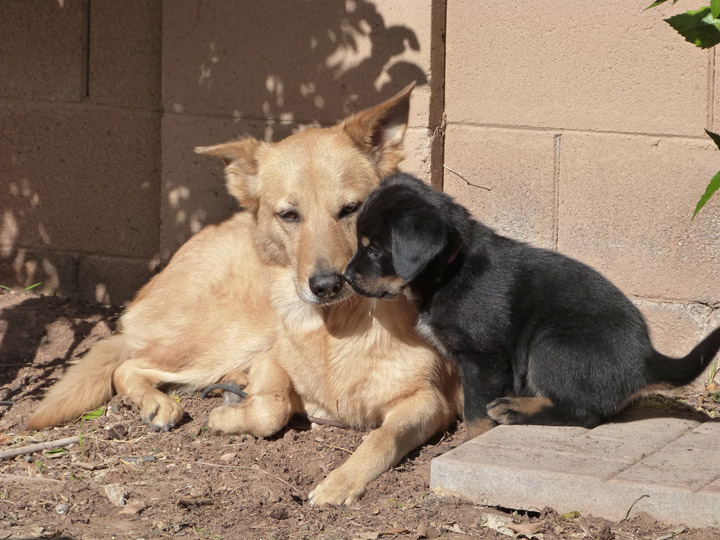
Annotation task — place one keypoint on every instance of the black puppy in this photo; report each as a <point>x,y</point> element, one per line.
<point>549,330</point>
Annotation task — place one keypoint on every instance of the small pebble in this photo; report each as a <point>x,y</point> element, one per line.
<point>116,432</point>
<point>61,508</point>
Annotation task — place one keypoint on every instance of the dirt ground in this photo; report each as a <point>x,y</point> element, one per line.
<point>122,480</point>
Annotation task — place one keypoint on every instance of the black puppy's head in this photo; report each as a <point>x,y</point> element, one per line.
<point>401,228</point>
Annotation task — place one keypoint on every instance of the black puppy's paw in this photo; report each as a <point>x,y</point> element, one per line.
<point>501,410</point>
<point>521,410</point>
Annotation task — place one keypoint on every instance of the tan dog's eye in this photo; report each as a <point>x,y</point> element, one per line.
<point>291,216</point>
<point>348,209</point>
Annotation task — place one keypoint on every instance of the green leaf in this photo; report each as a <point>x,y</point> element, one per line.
<point>92,415</point>
<point>715,8</point>
<point>33,286</point>
<point>713,186</point>
<point>55,451</point>
<point>658,2</point>
<point>714,136</point>
<point>698,27</point>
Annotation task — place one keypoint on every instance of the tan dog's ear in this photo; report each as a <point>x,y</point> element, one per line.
<point>380,130</point>
<point>241,168</point>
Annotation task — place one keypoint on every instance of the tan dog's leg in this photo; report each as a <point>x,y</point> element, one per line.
<point>238,378</point>
<point>270,403</point>
<point>134,379</point>
<point>409,424</point>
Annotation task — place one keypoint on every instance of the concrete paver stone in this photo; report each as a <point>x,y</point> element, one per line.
<point>668,466</point>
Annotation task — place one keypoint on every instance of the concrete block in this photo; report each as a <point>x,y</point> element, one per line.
<point>625,208</point>
<point>43,49</point>
<point>651,426</point>
<point>418,153</point>
<point>112,280</point>
<point>125,55</point>
<point>542,458</point>
<point>57,272</point>
<point>80,178</point>
<point>223,59</point>
<point>530,467</point>
<point>687,463</point>
<point>622,69</point>
<point>518,166</point>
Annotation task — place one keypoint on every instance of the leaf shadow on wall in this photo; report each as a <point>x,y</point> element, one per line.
<point>265,70</point>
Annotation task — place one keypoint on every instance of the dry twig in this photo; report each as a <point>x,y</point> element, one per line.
<point>39,447</point>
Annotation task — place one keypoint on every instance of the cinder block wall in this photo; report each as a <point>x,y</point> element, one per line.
<point>79,145</point>
<point>588,130</point>
<point>587,125</point>
<point>267,69</point>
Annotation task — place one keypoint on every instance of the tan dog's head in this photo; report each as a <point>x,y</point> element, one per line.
<point>306,189</point>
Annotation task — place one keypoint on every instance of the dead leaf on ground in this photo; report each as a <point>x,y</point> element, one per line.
<point>452,527</point>
<point>393,532</point>
<point>426,532</point>
<point>672,533</point>
<point>116,494</point>
<point>496,523</point>
<point>192,502</point>
<point>526,529</point>
<point>132,508</point>
<point>446,493</point>
<point>368,536</point>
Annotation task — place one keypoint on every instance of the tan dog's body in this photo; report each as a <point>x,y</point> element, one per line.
<point>247,301</point>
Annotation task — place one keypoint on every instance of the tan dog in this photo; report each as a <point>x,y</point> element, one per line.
<point>260,300</point>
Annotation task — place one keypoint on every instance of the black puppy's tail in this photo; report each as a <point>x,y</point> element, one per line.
<point>680,371</point>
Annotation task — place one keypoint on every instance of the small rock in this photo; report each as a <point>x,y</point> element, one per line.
<point>228,457</point>
<point>279,512</point>
<point>272,497</point>
<point>116,432</point>
<point>61,508</point>
<point>116,494</point>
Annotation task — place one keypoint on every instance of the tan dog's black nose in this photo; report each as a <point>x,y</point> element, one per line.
<point>326,286</point>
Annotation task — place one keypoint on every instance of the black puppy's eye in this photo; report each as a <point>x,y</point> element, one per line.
<point>348,209</point>
<point>373,253</point>
<point>291,216</point>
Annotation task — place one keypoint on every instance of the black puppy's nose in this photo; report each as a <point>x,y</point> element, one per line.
<point>326,286</point>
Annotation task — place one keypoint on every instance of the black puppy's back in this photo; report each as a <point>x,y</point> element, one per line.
<point>571,347</point>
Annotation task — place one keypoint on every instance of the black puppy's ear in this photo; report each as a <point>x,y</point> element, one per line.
<point>416,242</point>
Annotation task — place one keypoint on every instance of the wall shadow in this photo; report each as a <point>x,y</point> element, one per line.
<point>266,70</point>
<point>43,333</point>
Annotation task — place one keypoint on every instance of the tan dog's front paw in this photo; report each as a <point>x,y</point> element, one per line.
<point>338,489</point>
<point>161,412</point>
